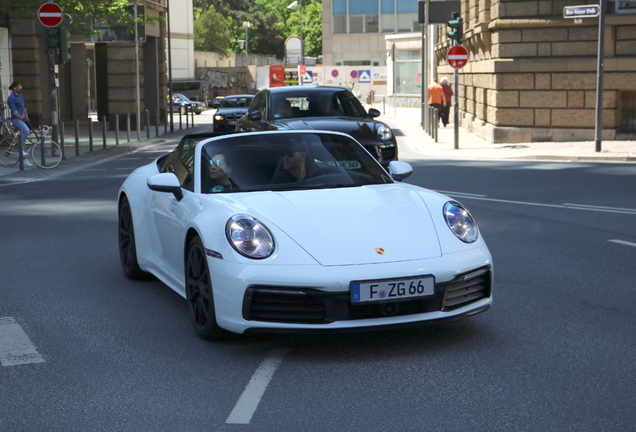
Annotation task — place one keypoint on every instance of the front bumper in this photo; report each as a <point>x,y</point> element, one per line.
<point>301,298</point>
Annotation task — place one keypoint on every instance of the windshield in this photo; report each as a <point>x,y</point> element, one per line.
<point>179,97</point>
<point>236,102</point>
<point>316,103</point>
<point>287,161</point>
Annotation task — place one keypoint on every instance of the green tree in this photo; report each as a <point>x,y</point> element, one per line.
<point>78,14</point>
<point>271,24</point>
<point>211,32</point>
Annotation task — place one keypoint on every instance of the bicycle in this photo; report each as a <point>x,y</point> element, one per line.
<point>45,155</point>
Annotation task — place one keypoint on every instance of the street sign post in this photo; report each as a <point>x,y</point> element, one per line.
<point>583,11</point>
<point>50,15</point>
<point>457,58</point>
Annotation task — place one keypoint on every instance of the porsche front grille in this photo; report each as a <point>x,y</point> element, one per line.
<point>313,306</point>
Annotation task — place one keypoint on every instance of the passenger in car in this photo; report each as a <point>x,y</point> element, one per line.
<point>220,169</point>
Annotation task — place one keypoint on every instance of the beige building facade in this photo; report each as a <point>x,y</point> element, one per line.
<point>532,74</point>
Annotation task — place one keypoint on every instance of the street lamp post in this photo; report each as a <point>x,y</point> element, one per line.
<point>247,25</point>
<point>298,4</point>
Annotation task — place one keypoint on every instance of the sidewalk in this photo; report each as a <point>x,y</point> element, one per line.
<point>79,153</point>
<point>472,147</point>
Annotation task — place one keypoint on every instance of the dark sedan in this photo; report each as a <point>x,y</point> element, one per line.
<point>181,103</point>
<point>230,110</point>
<point>320,108</point>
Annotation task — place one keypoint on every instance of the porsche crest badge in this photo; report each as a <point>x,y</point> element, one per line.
<point>380,251</point>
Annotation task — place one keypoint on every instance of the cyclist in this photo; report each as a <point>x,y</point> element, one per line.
<point>19,115</point>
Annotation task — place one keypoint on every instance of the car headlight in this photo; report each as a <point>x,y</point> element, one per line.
<point>249,237</point>
<point>461,222</point>
<point>384,132</point>
<point>218,117</point>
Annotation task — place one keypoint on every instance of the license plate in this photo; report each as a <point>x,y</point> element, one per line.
<point>231,122</point>
<point>392,289</point>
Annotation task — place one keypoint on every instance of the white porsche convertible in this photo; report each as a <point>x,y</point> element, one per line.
<point>299,231</point>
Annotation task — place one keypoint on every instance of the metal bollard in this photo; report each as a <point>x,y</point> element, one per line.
<point>128,127</point>
<point>180,124</point>
<point>61,126</point>
<point>90,134</point>
<point>187,116</point>
<point>147,124</point>
<point>436,123</point>
<point>116,129</point>
<point>157,124</point>
<point>77,148</point>
<point>165,124</point>
<point>104,131</point>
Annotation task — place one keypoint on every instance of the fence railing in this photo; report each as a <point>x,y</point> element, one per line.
<point>85,133</point>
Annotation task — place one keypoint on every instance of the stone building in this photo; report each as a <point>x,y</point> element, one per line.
<point>532,74</point>
<point>101,74</point>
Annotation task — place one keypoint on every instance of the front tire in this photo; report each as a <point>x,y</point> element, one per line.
<point>127,247</point>
<point>52,155</point>
<point>199,293</point>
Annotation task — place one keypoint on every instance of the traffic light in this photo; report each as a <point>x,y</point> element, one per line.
<point>456,35</point>
<point>53,38</point>
<point>63,55</point>
<point>57,39</point>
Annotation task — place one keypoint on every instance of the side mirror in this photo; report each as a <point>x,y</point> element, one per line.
<point>400,170</point>
<point>255,116</point>
<point>165,182</point>
<point>374,113</point>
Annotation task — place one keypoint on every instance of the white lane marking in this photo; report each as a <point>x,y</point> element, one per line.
<point>561,206</point>
<point>253,393</point>
<point>601,207</point>
<point>461,193</point>
<point>15,346</point>
<point>623,242</point>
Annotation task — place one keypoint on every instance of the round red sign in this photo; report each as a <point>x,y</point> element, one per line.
<point>457,57</point>
<point>50,15</point>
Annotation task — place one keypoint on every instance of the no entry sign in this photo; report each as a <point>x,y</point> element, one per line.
<point>457,57</point>
<point>50,15</point>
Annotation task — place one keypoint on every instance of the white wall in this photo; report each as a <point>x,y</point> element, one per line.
<point>182,40</point>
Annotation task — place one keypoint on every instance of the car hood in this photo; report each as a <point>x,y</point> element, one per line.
<point>349,226</point>
<point>358,127</point>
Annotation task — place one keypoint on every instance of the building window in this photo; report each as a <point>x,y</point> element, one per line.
<point>356,24</point>
<point>339,24</point>
<point>371,23</point>
<point>357,62</point>
<point>339,16</point>
<point>373,16</point>
<point>628,111</point>
<point>408,77</point>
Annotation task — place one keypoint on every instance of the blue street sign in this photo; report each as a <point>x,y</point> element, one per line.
<point>583,11</point>
<point>364,76</point>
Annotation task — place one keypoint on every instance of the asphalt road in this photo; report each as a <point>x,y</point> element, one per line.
<point>95,351</point>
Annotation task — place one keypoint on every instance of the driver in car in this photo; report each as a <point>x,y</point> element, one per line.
<point>294,165</point>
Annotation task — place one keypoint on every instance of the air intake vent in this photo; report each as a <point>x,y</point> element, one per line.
<point>467,288</point>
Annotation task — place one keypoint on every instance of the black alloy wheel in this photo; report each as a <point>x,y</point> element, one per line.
<point>127,248</point>
<point>199,293</point>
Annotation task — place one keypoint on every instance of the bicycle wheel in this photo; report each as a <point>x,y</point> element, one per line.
<point>50,158</point>
<point>9,155</point>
